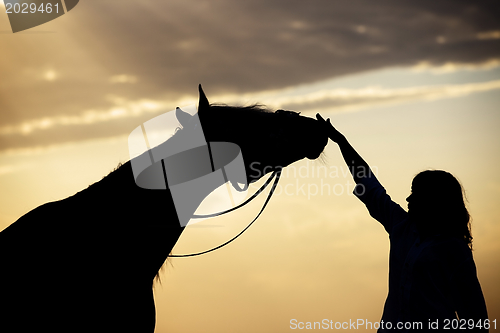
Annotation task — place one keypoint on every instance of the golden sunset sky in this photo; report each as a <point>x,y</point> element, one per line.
<point>412,84</point>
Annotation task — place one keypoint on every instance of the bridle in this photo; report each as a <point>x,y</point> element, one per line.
<point>275,175</point>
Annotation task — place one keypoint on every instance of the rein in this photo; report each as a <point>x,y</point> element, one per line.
<point>276,175</point>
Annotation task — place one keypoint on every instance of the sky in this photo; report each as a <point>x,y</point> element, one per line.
<point>412,85</point>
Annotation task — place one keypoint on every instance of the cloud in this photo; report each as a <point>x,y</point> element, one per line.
<point>451,67</point>
<point>123,109</point>
<point>236,46</point>
<point>11,168</point>
<point>123,78</point>
<point>340,99</point>
<point>125,112</point>
<point>263,45</point>
<point>231,47</point>
<point>50,75</point>
<point>495,34</point>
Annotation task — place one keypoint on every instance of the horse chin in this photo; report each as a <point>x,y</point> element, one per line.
<point>314,155</point>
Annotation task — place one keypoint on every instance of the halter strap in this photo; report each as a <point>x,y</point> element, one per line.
<point>244,203</point>
<point>276,174</point>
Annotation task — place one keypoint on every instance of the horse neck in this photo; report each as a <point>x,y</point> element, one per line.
<point>120,201</point>
<point>132,222</point>
<point>119,208</point>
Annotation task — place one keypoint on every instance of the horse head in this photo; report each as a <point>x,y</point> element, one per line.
<point>268,140</point>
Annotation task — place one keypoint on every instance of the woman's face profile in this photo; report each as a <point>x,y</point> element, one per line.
<point>423,203</point>
<point>417,200</point>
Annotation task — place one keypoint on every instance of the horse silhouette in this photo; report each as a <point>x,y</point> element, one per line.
<point>87,263</point>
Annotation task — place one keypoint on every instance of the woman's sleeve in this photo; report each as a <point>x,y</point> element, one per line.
<point>379,203</point>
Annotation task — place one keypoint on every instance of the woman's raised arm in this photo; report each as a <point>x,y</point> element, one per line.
<point>357,165</point>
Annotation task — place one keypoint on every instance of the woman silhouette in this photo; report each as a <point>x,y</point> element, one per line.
<point>432,275</point>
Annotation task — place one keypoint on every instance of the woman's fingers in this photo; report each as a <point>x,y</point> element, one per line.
<point>331,130</point>
<point>322,120</point>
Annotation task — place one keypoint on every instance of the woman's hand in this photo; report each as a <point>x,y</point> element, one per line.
<point>332,133</point>
<point>357,166</point>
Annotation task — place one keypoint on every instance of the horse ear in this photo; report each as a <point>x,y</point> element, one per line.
<point>182,117</point>
<point>203,102</point>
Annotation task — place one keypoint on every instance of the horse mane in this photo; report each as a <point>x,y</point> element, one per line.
<point>237,114</point>
<point>243,111</point>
